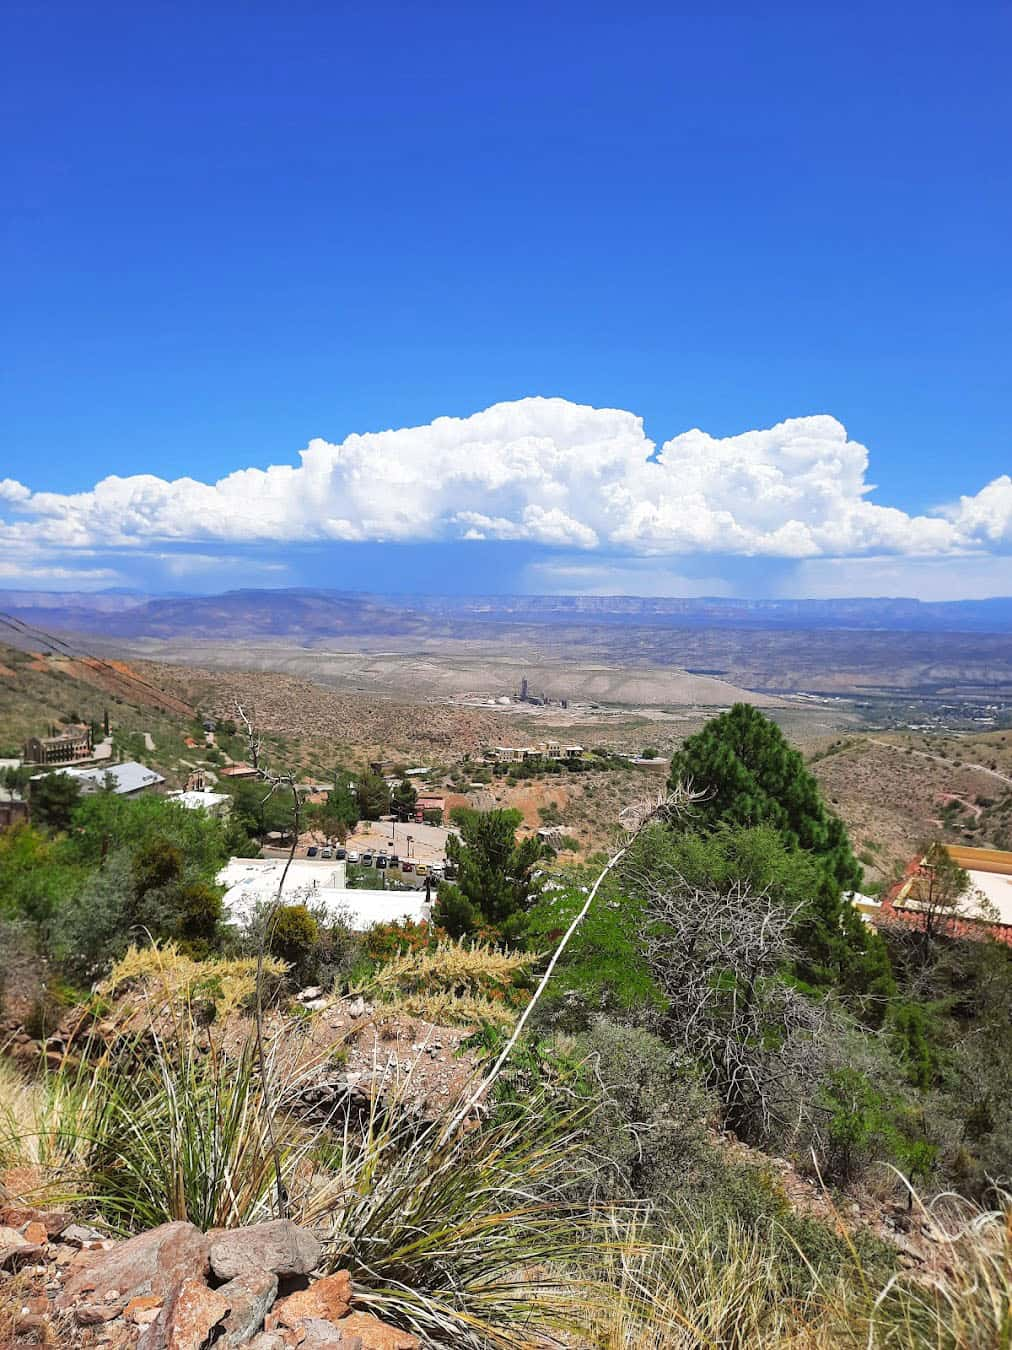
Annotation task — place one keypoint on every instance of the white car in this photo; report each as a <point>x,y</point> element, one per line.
<point>353,857</point>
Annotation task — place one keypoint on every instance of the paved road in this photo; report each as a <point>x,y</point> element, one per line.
<point>940,759</point>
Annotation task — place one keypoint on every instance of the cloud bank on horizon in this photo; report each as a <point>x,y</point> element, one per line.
<point>556,474</point>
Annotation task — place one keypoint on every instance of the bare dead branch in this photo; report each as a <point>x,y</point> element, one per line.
<point>634,819</point>
<point>275,782</point>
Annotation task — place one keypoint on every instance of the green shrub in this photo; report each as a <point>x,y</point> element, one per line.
<point>651,1128</point>
<point>292,936</point>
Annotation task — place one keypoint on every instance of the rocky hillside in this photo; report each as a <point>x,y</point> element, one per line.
<point>177,1288</point>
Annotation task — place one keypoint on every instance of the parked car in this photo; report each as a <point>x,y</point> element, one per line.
<point>353,857</point>
<point>312,851</point>
<point>421,869</point>
<point>407,865</point>
<point>367,860</point>
<point>381,861</point>
<point>326,852</point>
<point>394,860</point>
<point>340,854</point>
<point>436,872</point>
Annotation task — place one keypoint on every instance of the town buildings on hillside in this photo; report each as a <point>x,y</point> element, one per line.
<point>128,779</point>
<point>517,754</point>
<point>67,747</point>
<point>13,808</point>
<point>983,911</point>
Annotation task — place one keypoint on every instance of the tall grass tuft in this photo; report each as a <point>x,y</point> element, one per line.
<point>468,1238</point>
<point>727,1287</point>
<point>183,1135</point>
<point>19,1114</point>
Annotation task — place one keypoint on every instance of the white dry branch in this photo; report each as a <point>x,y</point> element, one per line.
<point>274,782</point>
<point>634,819</point>
<point>718,956</point>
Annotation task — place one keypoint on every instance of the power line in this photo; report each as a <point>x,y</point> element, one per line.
<point>78,653</point>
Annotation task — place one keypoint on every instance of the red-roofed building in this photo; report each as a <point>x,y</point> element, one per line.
<point>983,912</point>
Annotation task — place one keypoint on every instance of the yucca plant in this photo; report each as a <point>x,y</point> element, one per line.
<point>469,1238</point>
<point>183,1135</point>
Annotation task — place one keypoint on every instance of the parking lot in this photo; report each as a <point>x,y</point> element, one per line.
<point>419,843</point>
<point>410,844</point>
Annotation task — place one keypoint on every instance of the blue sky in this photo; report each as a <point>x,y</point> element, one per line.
<point>233,230</point>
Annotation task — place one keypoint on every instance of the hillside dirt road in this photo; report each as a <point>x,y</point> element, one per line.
<point>941,759</point>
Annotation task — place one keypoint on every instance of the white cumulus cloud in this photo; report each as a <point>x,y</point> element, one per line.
<point>544,470</point>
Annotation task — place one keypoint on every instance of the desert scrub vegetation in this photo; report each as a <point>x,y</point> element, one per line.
<point>163,976</point>
<point>461,982</point>
<point>496,1236</point>
<point>718,979</point>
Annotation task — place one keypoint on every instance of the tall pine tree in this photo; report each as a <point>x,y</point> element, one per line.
<point>752,778</point>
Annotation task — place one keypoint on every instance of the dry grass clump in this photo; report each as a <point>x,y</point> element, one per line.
<point>699,1286</point>
<point>168,976</point>
<point>694,1287</point>
<point>20,1103</point>
<point>456,966</point>
<point>457,983</point>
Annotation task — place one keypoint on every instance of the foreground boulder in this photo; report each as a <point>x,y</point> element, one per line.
<point>279,1247</point>
<point>153,1263</point>
<point>176,1288</point>
<point>250,1298</point>
<point>327,1299</point>
<point>188,1318</point>
<point>376,1335</point>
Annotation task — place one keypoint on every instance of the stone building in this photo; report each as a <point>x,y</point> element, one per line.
<point>72,744</point>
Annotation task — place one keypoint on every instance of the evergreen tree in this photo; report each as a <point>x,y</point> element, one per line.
<point>53,799</point>
<point>403,801</point>
<point>341,800</point>
<point>495,879</point>
<point>753,777</point>
<point>373,796</point>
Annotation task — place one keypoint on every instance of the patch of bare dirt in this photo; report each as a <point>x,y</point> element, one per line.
<point>291,706</point>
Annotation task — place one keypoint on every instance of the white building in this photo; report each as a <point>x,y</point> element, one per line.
<point>128,779</point>
<point>252,883</point>
<point>214,803</point>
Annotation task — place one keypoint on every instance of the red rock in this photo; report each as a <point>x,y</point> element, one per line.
<point>17,1216</point>
<point>279,1247</point>
<point>35,1232</point>
<point>187,1319</point>
<point>16,1250</point>
<point>328,1299</point>
<point>376,1335</point>
<point>138,1308</point>
<point>155,1262</point>
<point>322,1335</point>
<point>91,1314</point>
